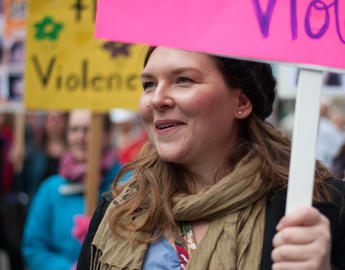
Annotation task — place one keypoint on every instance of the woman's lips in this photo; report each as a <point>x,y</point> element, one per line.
<point>163,126</point>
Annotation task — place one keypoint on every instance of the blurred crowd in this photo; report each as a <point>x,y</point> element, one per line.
<point>330,147</point>
<point>43,179</point>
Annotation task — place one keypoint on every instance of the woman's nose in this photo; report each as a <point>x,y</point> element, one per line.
<point>162,98</point>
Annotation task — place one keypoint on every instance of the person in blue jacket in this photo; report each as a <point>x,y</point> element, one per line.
<point>48,242</point>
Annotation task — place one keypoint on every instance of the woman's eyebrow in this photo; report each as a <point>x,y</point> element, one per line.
<point>185,69</point>
<point>148,75</point>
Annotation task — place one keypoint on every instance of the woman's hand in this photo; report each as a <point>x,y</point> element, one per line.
<point>303,241</point>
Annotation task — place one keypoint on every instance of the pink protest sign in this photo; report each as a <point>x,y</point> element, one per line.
<point>307,32</point>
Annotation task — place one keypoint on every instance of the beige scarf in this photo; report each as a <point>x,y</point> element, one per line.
<point>235,208</point>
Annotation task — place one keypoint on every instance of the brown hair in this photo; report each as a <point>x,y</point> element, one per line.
<point>158,180</point>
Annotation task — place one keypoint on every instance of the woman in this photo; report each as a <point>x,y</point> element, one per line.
<point>208,191</point>
<point>42,157</point>
<point>48,242</point>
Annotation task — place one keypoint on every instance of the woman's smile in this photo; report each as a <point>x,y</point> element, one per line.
<point>168,125</point>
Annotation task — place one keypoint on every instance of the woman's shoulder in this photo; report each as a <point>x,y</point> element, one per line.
<point>98,215</point>
<point>333,207</point>
<point>52,183</point>
<point>337,220</point>
<point>336,189</point>
<point>107,198</point>
<point>336,183</point>
<point>85,254</point>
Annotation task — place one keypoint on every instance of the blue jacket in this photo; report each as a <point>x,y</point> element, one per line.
<point>47,241</point>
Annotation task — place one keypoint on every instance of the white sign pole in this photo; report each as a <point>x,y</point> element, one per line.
<point>302,163</point>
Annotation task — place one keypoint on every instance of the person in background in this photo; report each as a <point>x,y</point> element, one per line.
<point>208,191</point>
<point>44,147</point>
<point>48,242</point>
<point>6,142</point>
<point>330,137</point>
<point>129,135</point>
<point>12,209</point>
<point>336,116</point>
<point>54,141</point>
<point>338,166</point>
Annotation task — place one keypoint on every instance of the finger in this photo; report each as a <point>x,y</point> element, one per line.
<point>291,253</point>
<point>293,265</point>
<point>294,235</point>
<point>303,216</point>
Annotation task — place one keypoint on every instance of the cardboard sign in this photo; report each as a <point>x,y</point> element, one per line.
<point>307,32</point>
<point>66,67</point>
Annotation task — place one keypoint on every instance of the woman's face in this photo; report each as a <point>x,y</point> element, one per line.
<point>55,124</point>
<point>187,108</point>
<point>77,134</point>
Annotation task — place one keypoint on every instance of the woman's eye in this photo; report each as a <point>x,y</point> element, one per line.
<point>147,85</point>
<point>184,80</point>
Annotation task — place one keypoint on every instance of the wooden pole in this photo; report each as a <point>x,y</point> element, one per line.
<point>302,164</point>
<point>94,161</point>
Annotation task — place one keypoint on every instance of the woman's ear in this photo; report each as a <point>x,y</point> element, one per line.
<point>244,106</point>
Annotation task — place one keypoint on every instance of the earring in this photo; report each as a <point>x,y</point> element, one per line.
<point>240,112</point>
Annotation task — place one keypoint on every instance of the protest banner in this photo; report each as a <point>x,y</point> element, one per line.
<point>66,67</point>
<point>307,33</point>
<point>304,32</point>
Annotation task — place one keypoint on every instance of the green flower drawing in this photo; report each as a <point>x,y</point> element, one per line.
<point>48,29</point>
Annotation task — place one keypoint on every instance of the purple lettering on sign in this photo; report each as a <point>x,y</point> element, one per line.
<point>336,12</point>
<point>319,5</point>
<point>264,18</point>
<point>293,13</point>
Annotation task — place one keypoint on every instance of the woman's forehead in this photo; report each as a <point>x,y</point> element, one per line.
<point>79,116</point>
<point>163,57</point>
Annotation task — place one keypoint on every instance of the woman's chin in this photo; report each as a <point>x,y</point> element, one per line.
<point>80,157</point>
<point>172,157</point>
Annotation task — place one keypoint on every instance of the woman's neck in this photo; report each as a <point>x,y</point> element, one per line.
<point>55,147</point>
<point>205,178</point>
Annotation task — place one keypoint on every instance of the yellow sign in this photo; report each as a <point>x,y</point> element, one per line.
<point>66,67</point>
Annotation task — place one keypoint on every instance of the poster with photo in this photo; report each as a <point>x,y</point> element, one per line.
<point>1,50</point>
<point>17,52</point>
<point>15,12</point>
<point>3,87</point>
<point>12,42</point>
<point>16,87</point>
<point>1,17</point>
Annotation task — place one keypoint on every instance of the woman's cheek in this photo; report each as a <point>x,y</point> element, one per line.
<point>203,103</point>
<point>143,109</point>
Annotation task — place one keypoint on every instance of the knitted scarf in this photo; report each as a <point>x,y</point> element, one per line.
<point>235,207</point>
<point>75,171</point>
